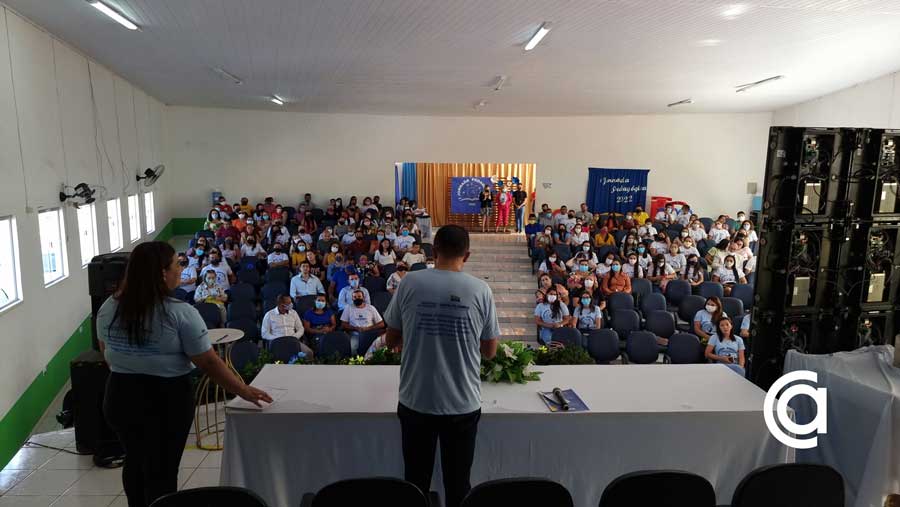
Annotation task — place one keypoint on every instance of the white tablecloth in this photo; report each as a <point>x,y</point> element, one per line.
<point>863,439</point>
<point>338,422</point>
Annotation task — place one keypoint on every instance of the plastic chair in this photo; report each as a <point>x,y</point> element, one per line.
<point>241,292</point>
<point>278,275</point>
<point>249,276</point>
<point>744,292</point>
<point>366,339</point>
<point>243,353</point>
<point>241,310</point>
<point>662,487</point>
<point>522,491</point>
<point>707,223</point>
<point>419,266</point>
<point>568,336</point>
<point>381,300</point>
<point>684,348</point>
<point>304,303</point>
<point>676,290</point>
<point>388,270</point>
<point>624,322</point>
<point>606,250</point>
<point>375,284</point>
<point>216,495</point>
<point>652,302</point>
<point>675,227</point>
<point>335,343</point>
<point>210,314</point>
<point>603,345</point>
<point>619,301</point>
<point>564,252</point>
<point>369,491</point>
<point>619,235</point>
<point>284,348</point>
<point>661,323</point>
<point>180,294</point>
<point>271,290</point>
<point>204,234</point>
<point>711,289</point>
<point>791,485</point>
<point>427,249</point>
<point>734,308</point>
<point>268,304</point>
<point>640,287</point>
<point>641,348</point>
<point>248,326</point>
<point>688,308</point>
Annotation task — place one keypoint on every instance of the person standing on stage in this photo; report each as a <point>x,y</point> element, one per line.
<point>150,341</point>
<point>445,321</point>
<point>504,205</point>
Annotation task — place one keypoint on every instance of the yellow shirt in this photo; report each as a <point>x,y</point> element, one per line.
<point>599,241</point>
<point>246,208</point>
<point>297,258</point>
<point>641,217</point>
<point>329,258</point>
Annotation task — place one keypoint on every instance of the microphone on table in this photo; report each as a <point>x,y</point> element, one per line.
<point>557,392</point>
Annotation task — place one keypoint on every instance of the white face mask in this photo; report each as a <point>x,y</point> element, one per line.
<point>729,264</point>
<point>429,265</point>
<point>661,264</point>
<point>586,248</point>
<point>334,249</point>
<point>588,283</point>
<point>632,261</point>
<point>608,262</point>
<point>746,227</point>
<point>711,308</point>
<point>552,259</point>
<point>551,299</point>
<point>740,217</point>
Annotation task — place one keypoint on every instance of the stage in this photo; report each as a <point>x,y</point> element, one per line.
<point>337,422</point>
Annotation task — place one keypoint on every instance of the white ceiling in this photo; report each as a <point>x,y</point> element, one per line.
<point>442,56</point>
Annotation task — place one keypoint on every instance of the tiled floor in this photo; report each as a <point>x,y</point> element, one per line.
<point>38,477</point>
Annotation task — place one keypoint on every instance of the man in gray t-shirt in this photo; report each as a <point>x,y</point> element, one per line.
<point>445,321</point>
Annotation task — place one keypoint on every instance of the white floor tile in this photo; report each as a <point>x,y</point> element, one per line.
<point>99,481</point>
<point>120,501</point>
<point>9,478</point>
<point>27,501</point>
<point>213,460</point>
<point>67,461</point>
<point>84,501</point>
<point>46,482</point>
<point>202,478</point>
<point>61,438</point>
<point>183,475</point>
<point>192,458</point>
<point>30,458</point>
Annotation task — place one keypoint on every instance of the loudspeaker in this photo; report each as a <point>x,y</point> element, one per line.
<point>105,273</point>
<point>92,435</point>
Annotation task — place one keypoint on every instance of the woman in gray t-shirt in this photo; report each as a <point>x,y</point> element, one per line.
<point>152,342</point>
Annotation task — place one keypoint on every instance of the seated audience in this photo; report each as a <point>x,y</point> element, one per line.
<point>660,245</point>
<point>316,268</point>
<point>718,232</point>
<point>545,283</point>
<point>230,251</point>
<point>345,296</point>
<point>396,277</point>
<point>687,248</point>
<point>726,348</point>
<point>210,291</point>
<point>359,317</point>
<point>278,259</point>
<point>318,320</point>
<point>414,255</point>
<point>604,238</point>
<point>745,328</point>
<point>283,321</point>
<point>429,263</point>
<point>706,317</point>
<point>213,222</point>
<point>252,249</point>
<point>584,253</point>
<point>647,231</point>
<point>696,231</point>
<point>584,215</point>
<point>617,281</point>
<point>675,259</point>
<point>549,315</point>
<point>298,255</point>
<point>660,273</point>
<point>728,274</point>
<point>632,268</point>
<point>385,254</point>
<point>562,235</point>
<point>188,274</point>
<point>305,283</point>
<point>404,241</point>
<point>553,266</point>
<point>224,276</point>
<point>603,269</point>
<point>587,314</point>
<point>578,236</point>
<point>693,272</point>
<point>366,268</point>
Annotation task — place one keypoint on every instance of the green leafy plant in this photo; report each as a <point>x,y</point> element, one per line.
<point>547,356</point>
<point>512,364</point>
<point>252,369</point>
<point>384,356</point>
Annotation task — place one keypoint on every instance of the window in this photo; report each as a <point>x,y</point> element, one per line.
<point>87,232</point>
<point>114,218</point>
<point>134,217</point>
<point>149,213</point>
<point>10,281</point>
<point>52,228</point>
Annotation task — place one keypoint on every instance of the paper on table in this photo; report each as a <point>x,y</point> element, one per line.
<point>276,393</point>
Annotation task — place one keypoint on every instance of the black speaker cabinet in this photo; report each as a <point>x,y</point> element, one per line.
<point>89,373</point>
<point>105,272</point>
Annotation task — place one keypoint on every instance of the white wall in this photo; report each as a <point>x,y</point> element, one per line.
<point>874,104</point>
<point>47,138</point>
<point>703,159</point>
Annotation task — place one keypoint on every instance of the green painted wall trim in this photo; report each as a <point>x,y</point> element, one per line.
<point>17,424</point>
<point>187,226</point>
<point>166,233</point>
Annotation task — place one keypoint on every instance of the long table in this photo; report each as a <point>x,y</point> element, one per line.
<point>338,422</point>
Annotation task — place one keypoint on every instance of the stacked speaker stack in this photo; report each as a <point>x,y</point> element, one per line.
<point>829,251</point>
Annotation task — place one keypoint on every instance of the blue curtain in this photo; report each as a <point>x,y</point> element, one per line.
<point>396,184</point>
<point>616,190</point>
<point>408,188</point>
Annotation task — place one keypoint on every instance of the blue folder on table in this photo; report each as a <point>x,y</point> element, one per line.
<point>576,404</point>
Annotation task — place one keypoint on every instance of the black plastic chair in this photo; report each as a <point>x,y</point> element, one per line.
<point>271,290</point>
<point>373,491</point>
<point>676,291</point>
<point>375,284</point>
<point>603,251</point>
<point>366,339</point>
<point>564,252</point>
<point>710,289</point>
<point>603,345</point>
<point>210,314</point>
<point>619,301</point>
<point>624,322</point>
<point>278,275</point>
<point>684,348</point>
<point>687,309</point>
<point>388,270</point>
<point>211,497</point>
<point>335,343</point>
<point>641,348</point>
<point>180,294</point>
<point>707,223</point>
<point>640,287</point>
<point>791,485</point>
<point>744,292</point>
<point>243,353</point>
<point>734,308</point>
<point>248,263</point>
<point>242,309</point>
<point>419,266</point>
<point>241,292</point>
<point>284,348</point>
<point>652,302</point>
<point>661,323</point>
<point>520,492</point>
<point>304,303</point>
<point>248,326</point>
<point>381,300</point>
<point>250,276</point>
<point>568,336</point>
<point>662,488</point>
<point>428,249</point>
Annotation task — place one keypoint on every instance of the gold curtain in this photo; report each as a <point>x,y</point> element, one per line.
<point>432,179</point>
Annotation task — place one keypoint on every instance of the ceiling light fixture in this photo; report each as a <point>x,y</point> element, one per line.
<point>113,13</point>
<point>277,100</point>
<point>708,43</point>
<point>680,102</point>
<point>481,103</point>
<point>228,76</point>
<point>733,11</point>
<point>747,86</point>
<point>543,30</point>
<point>501,80</point>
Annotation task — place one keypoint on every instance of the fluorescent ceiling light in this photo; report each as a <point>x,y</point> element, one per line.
<point>536,38</point>
<point>733,11</point>
<point>228,76</point>
<point>680,102</point>
<point>708,43</point>
<point>747,86</point>
<point>501,80</point>
<point>276,100</point>
<point>481,103</point>
<point>109,11</point>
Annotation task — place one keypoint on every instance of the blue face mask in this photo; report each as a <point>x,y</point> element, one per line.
<point>199,251</point>
<point>320,304</point>
<point>616,268</point>
<point>404,233</point>
<point>301,248</point>
<point>354,283</point>
<point>380,237</point>
<point>583,268</point>
<point>585,301</point>
<point>641,249</point>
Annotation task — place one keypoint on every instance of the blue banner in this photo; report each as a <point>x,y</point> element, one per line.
<point>616,190</point>
<point>464,194</point>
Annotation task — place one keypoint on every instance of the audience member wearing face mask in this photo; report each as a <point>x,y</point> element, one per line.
<point>676,259</point>
<point>188,274</point>
<point>694,273</point>
<point>660,244</point>
<point>660,273</point>
<point>278,258</point>
<point>224,276</point>
<point>211,291</point>
<point>252,248</point>
<point>578,236</point>
<point>553,265</point>
<point>632,267</point>
<point>397,276</point>
<point>318,320</point>
<point>696,231</point>
<point>588,316</point>
<point>728,274</point>
<point>549,315</point>
<point>345,297</point>
<point>359,317</point>
<point>689,247</point>
<point>213,221</point>
<point>616,281</point>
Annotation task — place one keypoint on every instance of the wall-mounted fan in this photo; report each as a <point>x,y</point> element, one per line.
<point>151,175</point>
<point>80,191</point>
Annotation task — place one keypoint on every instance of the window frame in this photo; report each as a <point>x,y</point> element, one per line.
<point>149,213</point>
<point>121,237</point>
<point>93,223</point>
<point>16,263</point>
<point>63,254</point>
<point>134,218</point>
